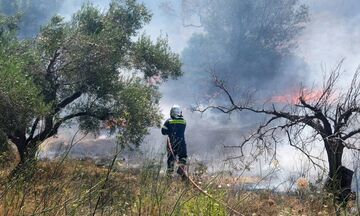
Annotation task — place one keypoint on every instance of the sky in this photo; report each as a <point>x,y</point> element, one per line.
<point>332,34</point>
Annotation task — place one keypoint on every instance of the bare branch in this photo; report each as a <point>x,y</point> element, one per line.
<point>310,157</point>
<point>318,114</point>
<point>351,134</point>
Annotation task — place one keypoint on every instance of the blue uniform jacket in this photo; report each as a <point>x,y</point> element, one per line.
<point>175,129</point>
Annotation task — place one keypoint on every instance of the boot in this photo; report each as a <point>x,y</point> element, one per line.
<point>182,171</point>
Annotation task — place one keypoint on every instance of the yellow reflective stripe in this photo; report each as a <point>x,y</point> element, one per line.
<point>177,121</point>
<point>164,127</point>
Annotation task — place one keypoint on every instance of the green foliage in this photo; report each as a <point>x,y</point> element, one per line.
<point>32,13</point>
<point>163,195</point>
<point>152,58</point>
<point>203,205</point>
<point>89,21</point>
<point>90,69</point>
<point>20,98</point>
<point>8,27</point>
<point>52,35</point>
<point>130,14</point>
<point>137,104</point>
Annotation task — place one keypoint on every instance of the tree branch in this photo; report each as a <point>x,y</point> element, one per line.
<point>350,134</point>
<point>310,157</point>
<point>52,62</point>
<point>34,126</point>
<point>67,101</point>
<point>51,132</point>
<point>318,114</point>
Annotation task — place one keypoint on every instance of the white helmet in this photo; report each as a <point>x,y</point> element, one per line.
<point>176,111</point>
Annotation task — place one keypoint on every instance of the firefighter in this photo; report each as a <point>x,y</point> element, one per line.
<point>174,128</point>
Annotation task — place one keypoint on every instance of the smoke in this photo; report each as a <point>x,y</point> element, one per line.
<point>207,134</point>
<point>224,45</point>
<point>331,34</point>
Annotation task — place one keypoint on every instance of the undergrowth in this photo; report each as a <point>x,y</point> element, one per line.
<point>81,188</point>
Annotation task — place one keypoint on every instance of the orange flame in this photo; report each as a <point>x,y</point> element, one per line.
<point>293,97</point>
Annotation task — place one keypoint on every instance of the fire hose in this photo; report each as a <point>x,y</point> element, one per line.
<point>196,185</point>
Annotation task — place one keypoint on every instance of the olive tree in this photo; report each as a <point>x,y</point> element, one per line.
<point>94,69</point>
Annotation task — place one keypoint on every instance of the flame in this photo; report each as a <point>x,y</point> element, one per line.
<point>293,97</point>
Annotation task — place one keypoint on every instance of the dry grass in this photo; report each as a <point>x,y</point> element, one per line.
<point>81,188</point>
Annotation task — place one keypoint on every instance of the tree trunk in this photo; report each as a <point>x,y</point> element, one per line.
<point>334,150</point>
<point>4,145</point>
<point>25,167</point>
<point>26,152</point>
<point>339,177</point>
<point>22,152</point>
<point>27,147</point>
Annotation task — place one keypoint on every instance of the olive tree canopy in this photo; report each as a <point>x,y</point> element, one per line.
<point>95,69</point>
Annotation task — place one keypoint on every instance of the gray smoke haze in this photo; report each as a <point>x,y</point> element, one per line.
<point>333,33</point>
<point>242,64</point>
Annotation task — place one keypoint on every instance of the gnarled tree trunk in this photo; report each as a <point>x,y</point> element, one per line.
<point>4,146</point>
<point>25,147</point>
<point>339,177</point>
